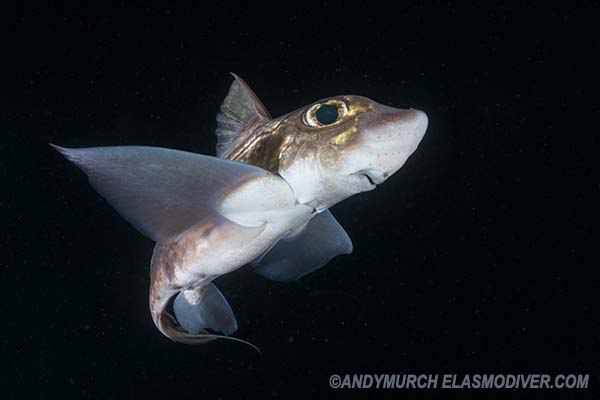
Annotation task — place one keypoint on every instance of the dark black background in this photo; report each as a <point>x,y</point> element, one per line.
<point>479,255</point>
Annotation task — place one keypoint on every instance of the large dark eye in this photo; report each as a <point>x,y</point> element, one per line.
<point>327,114</point>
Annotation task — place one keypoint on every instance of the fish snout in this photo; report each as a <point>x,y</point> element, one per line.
<point>393,122</point>
<point>391,137</point>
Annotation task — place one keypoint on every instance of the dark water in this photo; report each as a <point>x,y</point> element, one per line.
<point>478,256</point>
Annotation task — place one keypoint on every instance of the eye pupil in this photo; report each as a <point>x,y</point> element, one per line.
<point>327,114</point>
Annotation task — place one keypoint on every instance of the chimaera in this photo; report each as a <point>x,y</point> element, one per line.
<point>262,201</point>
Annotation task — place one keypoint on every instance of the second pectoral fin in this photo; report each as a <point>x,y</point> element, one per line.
<point>293,257</point>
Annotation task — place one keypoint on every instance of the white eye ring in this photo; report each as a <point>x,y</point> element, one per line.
<point>310,116</point>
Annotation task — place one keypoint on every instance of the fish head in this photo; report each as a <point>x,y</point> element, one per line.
<point>344,145</point>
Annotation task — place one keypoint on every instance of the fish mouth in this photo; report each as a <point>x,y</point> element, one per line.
<point>370,179</point>
<point>374,176</point>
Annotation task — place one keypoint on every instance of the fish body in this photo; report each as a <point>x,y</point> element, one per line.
<point>263,201</point>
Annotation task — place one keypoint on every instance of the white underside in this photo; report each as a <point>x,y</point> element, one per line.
<point>257,215</point>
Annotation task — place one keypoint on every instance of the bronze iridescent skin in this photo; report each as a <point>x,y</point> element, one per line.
<point>263,201</point>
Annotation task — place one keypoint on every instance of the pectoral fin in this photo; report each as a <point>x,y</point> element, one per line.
<point>293,257</point>
<point>162,192</point>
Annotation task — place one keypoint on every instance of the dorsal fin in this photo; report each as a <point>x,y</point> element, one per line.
<point>240,113</point>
